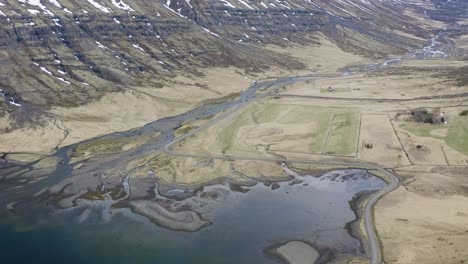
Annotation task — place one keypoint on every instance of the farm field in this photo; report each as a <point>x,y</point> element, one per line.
<point>343,134</point>
<point>455,134</point>
<point>436,144</point>
<point>271,126</point>
<point>377,131</point>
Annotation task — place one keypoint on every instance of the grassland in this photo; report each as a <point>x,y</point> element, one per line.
<point>412,78</point>
<point>377,131</point>
<point>344,133</point>
<point>455,134</point>
<point>120,111</point>
<point>184,130</point>
<point>271,126</point>
<point>425,220</point>
<point>110,145</point>
<point>183,171</point>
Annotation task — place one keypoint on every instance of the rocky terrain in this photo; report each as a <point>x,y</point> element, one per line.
<point>448,10</point>
<point>70,52</point>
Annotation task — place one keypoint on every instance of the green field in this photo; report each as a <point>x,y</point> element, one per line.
<point>276,125</point>
<point>344,134</point>
<point>273,127</point>
<point>421,130</point>
<point>457,136</point>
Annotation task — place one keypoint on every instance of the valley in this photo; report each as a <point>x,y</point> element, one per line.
<point>339,127</point>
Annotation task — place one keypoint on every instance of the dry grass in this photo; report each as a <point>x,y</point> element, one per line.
<point>386,149</point>
<point>409,80</point>
<point>37,139</point>
<point>109,145</point>
<point>325,58</point>
<point>132,108</point>
<point>183,171</point>
<point>425,220</point>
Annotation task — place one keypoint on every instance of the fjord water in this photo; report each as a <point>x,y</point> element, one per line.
<point>243,225</point>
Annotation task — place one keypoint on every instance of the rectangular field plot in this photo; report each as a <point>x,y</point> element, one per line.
<point>343,134</point>
<point>436,144</point>
<point>271,127</point>
<point>379,143</point>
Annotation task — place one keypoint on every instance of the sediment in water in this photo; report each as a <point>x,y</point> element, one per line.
<point>189,221</point>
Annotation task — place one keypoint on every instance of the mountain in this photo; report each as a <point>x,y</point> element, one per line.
<point>71,52</point>
<point>448,10</point>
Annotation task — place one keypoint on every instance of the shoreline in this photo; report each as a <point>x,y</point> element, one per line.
<point>353,228</point>
<point>169,220</point>
<point>294,252</point>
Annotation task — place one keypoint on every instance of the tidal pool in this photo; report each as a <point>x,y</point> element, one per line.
<point>315,210</point>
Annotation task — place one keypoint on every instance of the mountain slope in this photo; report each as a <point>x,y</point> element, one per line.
<point>69,52</point>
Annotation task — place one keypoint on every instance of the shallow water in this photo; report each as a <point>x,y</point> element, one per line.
<point>244,224</point>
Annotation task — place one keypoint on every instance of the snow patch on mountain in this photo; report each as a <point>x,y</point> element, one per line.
<point>98,6</point>
<point>39,5</point>
<point>121,5</point>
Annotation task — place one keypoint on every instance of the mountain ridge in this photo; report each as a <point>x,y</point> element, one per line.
<point>67,53</point>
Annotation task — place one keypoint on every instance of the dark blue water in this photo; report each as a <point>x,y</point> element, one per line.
<point>244,224</point>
